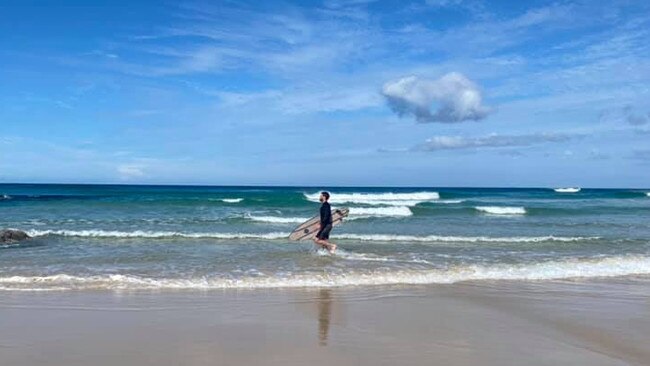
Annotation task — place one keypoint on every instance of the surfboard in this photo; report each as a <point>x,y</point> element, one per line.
<point>308,229</point>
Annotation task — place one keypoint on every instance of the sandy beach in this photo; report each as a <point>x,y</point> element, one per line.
<point>500,323</point>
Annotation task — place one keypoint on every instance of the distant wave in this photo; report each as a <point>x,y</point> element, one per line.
<point>385,199</point>
<point>647,194</point>
<point>549,270</point>
<point>232,200</point>
<point>498,210</point>
<point>46,197</point>
<point>393,211</point>
<point>284,235</point>
<point>567,190</point>
<point>355,213</point>
<point>278,220</point>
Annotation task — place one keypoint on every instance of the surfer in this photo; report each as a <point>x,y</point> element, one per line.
<point>323,235</point>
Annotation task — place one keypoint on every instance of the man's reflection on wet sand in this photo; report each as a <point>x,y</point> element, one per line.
<point>324,314</point>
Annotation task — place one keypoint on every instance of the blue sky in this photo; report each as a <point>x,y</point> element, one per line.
<point>359,92</point>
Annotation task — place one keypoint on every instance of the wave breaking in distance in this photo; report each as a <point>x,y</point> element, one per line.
<point>386,199</point>
<point>232,200</point>
<point>551,270</point>
<point>647,194</point>
<point>283,235</point>
<point>278,219</point>
<point>567,190</point>
<point>498,210</point>
<point>394,211</point>
<point>5,197</point>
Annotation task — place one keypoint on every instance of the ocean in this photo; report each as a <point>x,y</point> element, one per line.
<point>121,237</point>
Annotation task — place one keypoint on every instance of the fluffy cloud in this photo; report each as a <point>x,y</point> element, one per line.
<point>457,142</point>
<point>454,97</point>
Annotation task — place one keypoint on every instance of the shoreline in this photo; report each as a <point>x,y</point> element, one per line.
<point>596,322</point>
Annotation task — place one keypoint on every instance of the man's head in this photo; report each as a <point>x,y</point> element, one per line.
<point>324,196</point>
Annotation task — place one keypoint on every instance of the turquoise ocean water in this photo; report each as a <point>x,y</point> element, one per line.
<point>170,237</point>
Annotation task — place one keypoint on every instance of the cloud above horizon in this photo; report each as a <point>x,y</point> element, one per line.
<point>490,141</point>
<point>450,99</point>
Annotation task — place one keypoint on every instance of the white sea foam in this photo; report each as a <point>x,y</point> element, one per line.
<point>647,194</point>
<point>394,211</point>
<point>155,234</point>
<point>284,235</point>
<point>279,220</point>
<point>567,190</point>
<point>384,199</point>
<point>498,210</point>
<point>232,200</point>
<point>355,213</point>
<point>470,239</point>
<point>340,253</point>
<point>550,270</point>
<point>5,197</point>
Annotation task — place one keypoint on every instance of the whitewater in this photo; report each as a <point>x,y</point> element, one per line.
<point>215,238</point>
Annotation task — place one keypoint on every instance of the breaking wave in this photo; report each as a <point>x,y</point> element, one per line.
<point>394,211</point>
<point>284,235</point>
<point>498,210</point>
<point>567,190</point>
<point>154,234</point>
<point>385,199</point>
<point>278,220</point>
<point>550,270</point>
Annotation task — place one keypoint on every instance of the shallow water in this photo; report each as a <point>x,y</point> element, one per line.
<point>166,237</point>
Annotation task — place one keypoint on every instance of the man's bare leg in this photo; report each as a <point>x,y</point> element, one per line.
<point>331,247</point>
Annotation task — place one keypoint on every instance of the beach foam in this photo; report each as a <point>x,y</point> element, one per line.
<point>498,210</point>
<point>551,270</point>
<point>284,235</point>
<point>154,234</point>
<point>232,200</point>
<point>385,199</point>
<point>470,239</point>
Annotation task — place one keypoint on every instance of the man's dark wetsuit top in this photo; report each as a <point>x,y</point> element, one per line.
<point>325,221</point>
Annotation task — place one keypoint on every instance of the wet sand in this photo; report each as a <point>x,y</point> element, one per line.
<point>499,323</point>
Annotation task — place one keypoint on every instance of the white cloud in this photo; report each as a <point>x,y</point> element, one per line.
<point>490,141</point>
<point>454,97</point>
<point>130,171</point>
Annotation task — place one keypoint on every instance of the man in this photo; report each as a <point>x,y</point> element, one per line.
<point>323,235</point>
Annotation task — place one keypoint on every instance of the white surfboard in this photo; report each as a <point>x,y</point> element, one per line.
<point>308,229</point>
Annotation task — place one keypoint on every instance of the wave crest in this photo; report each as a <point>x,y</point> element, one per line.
<point>499,210</point>
<point>384,199</point>
<point>283,235</point>
<point>550,270</point>
<point>155,234</point>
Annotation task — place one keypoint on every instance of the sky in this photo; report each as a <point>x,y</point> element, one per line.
<point>326,93</point>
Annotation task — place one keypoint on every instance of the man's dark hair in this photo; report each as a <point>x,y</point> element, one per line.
<point>326,194</point>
